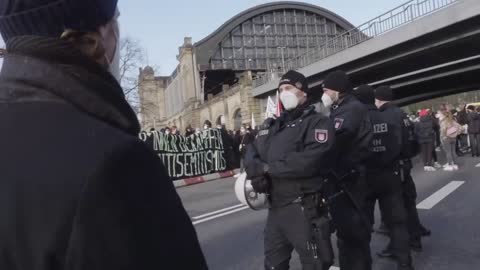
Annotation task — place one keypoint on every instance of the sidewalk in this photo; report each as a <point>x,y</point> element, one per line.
<point>204,178</point>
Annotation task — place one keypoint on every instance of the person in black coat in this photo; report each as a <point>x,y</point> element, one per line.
<point>474,130</point>
<point>353,133</point>
<point>78,189</point>
<point>425,132</point>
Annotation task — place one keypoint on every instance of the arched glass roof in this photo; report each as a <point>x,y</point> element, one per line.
<point>264,42</point>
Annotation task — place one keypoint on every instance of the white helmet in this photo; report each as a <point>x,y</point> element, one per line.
<point>247,195</point>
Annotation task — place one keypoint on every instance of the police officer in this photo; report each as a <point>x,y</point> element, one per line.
<point>383,176</point>
<point>353,137</point>
<point>384,96</point>
<point>288,161</point>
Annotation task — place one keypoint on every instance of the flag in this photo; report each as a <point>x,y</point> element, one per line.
<point>279,106</point>
<point>271,108</point>
<point>254,125</point>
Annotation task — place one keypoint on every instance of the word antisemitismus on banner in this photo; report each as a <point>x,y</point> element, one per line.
<point>191,156</point>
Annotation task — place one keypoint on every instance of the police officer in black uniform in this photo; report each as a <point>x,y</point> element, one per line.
<point>410,148</point>
<point>383,175</point>
<point>289,161</point>
<point>353,137</point>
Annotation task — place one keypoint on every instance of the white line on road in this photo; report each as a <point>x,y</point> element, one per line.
<point>334,268</point>
<point>438,196</point>
<point>478,165</point>
<point>218,211</point>
<point>220,215</point>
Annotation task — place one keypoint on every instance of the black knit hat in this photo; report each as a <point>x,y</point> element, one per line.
<point>296,79</point>
<point>338,81</point>
<point>50,18</point>
<point>365,94</point>
<point>384,93</point>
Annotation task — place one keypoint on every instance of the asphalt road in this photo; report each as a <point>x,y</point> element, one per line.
<point>232,236</point>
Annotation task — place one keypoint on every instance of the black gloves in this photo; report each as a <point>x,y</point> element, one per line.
<point>262,184</point>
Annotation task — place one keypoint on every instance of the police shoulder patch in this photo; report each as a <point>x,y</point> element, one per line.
<point>321,135</point>
<point>338,123</point>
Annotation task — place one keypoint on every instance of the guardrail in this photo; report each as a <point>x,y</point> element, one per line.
<point>397,17</point>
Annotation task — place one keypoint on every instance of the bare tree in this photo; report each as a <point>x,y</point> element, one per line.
<point>131,59</point>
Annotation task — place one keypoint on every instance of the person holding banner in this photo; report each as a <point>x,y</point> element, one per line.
<point>289,161</point>
<point>78,189</point>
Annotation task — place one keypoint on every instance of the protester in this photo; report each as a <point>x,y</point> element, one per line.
<point>449,130</point>
<point>424,130</point>
<point>461,116</point>
<point>168,131</point>
<point>245,139</point>
<point>81,191</point>
<point>189,131</point>
<point>474,130</point>
<point>207,124</point>
<point>175,130</point>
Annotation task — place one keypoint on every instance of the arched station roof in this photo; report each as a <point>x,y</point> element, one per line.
<point>268,20</point>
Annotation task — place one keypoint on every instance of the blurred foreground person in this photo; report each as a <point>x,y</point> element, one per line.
<point>82,192</point>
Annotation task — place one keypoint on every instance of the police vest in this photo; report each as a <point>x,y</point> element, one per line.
<point>386,142</point>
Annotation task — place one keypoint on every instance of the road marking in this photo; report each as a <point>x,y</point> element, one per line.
<point>478,165</point>
<point>438,196</point>
<point>218,211</point>
<point>334,268</point>
<point>220,215</point>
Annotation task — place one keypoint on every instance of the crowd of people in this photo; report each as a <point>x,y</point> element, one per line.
<point>455,132</point>
<point>83,192</point>
<point>235,142</point>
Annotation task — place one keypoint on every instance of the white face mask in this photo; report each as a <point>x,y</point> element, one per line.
<point>289,100</point>
<point>167,132</point>
<point>205,127</point>
<point>327,101</point>
<point>378,103</point>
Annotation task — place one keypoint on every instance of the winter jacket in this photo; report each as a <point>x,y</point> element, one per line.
<point>78,189</point>
<point>462,117</point>
<point>299,152</point>
<point>474,123</point>
<point>446,128</point>
<point>425,130</point>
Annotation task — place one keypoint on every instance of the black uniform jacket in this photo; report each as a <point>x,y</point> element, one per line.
<point>353,133</point>
<point>298,152</point>
<point>386,143</point>
<point>409,142</point>
<point>78,189</point>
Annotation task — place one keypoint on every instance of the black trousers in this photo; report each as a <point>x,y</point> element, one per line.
<point>427,150</point>
<point>285,231</point>
<point>386,187</point>
<point>475,144</point>
<point>353,230</point>
<point>415,227</point>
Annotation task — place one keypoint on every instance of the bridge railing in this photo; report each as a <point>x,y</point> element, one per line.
<point>397,17</point>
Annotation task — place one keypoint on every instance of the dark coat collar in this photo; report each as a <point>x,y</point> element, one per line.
<point>37,66</point>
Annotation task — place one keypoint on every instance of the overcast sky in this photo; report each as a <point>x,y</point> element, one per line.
<point>161,25</point>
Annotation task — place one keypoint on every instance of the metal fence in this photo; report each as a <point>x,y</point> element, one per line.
<point>404,14</point>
